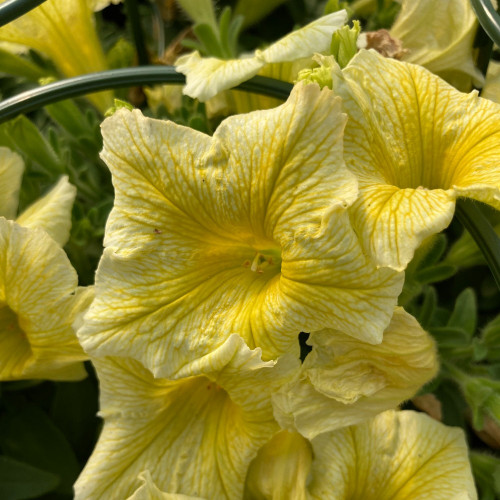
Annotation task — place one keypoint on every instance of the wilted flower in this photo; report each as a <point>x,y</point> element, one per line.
<point>344,381</point>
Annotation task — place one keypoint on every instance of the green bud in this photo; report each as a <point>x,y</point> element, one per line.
<point>118,104</point>
<point>343,46</point>
<point>483,396</point>
<point>321,75</point>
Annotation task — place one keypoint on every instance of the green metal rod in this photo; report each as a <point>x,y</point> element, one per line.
<point>488,17</point>
<point>482,232</point>
<point>116,78</point>
<point>12,9</point>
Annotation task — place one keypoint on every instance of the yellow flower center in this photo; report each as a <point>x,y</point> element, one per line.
<point>264,261</point>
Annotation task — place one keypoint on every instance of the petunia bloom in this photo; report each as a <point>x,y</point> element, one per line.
<point>398,455</point>
<point>415,144</point>
<point>195,435</point>
<point>207,76</point>
<point>344,381</point>
<point>64,31</point>
<point>244,232</point>
<point>52,212</point>
<point>440,36</point>
<point>39,301</point>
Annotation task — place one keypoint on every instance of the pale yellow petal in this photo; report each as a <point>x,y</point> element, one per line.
<point>207,76</point>
<point>281,469</point>
<point>306,41</point>
<point>214,235</point>
<point>64,31</point>
<point>52,212</point>
<point>396,221</point>
<point>149,491</point>
<point>440,37</point>
<point>415,143</point>
<point>195,435</point>
<point>344,381</point>
<point>398,455</point>
<point>39,301</point>
<point>11,173</point>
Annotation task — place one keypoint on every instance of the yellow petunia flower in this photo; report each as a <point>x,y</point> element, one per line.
<point>195,435</point>
<point>244,232</point>
<point>64,31</point>
<point>398,455</point>
<point>207,76</point>
<point>440,36</point>
<point>344,381</point>
<point>415,144</point>
<point>39,301</point>
<point>52,212</point>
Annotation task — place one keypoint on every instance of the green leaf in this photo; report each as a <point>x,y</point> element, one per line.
<point>429,304</point>
<point>433,274</point>
<point>453,404</point>
<point>491,339</point>
<point>464,315</point>
<point>30,436</point>
<point>450,336</point>
<point>19,480</point>
<point>13,64</point>
<point>29,141</point>
<point>209,38</point>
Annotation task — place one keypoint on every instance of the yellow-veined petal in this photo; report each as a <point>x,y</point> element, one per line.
<point>11,173</point>
<point>195,435</point>
<point>398,455</point>
<point>344,381</point>
<point>149,491</point>
<point>415,144</point>
<point>39,301</point>
<point>244,232</point>
<point>491,89</point>
<point>52,212</point>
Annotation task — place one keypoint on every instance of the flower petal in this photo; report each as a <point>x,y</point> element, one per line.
<point>344,381</point>
<point>443,47</point>
<point>196,435</point>
<point>411,131</point>
<point>52,212</point>
<point>207,76</point>
<point>149,491</point>
<point>306,41</point>
<point>396,455</point>
<point>202,227</point>
<point>11,173</point>
<point>38,303</point>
